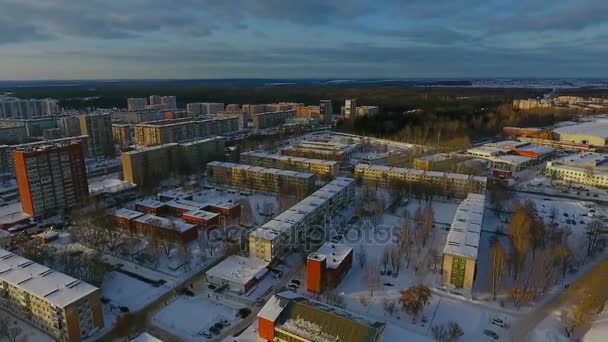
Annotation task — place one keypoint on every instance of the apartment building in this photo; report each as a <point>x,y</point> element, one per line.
<point>169,102</point>
<point>69,126</point>
<point>51,178</point>
<point>276,237</point>
<point>149,165</point>
<point>326,110</point>
<point>12,133</point>
<point>64,307</point>
<point>326,150</point>
<point>318,167</point>
<point>172,131</point>
<point>326,267</point>
<point>437,161</point>
<point>290,317</point>
<point>135,104</point>
<point>155,100</point>
<point>350,108</point>
<point>11,107</point>
<point>586,168</point>
<point>98,127</point>
<point>262,178</point>
<point>368,110</point>
<point>205,108</point>
<point>174,230</point>
<point>271,119</point>
<point>461,249</point>
<point>6,159</point>
<point>122,134</point>
<point>448,184</point>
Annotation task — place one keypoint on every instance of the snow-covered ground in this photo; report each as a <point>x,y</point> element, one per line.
<point>28,332</point>
<point>551,330</point>
<point>123,290</point>
<point>542,184</point>
<point>188,316</point>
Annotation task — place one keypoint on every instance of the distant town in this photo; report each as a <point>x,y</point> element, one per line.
<point>209,221</point>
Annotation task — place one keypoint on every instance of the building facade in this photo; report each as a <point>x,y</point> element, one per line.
<point>586,168</point>
<point>64,307</point>
<point>350,108</point>
<point>321,168</point>
<point>135,104</point>
<point>326,267</point>
<point>271,119</point>
<point>326,111</point>
<point>122,134</point>
<point>173,131</point>
<point>98,127</point>
<point>51,178</point>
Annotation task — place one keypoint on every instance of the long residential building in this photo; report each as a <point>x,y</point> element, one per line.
<point>173,131</point>
<point>272,119</point>
<point>262,178</point>
<point>135,104</point>
<point>122,134</point>
<point>319,167</point>
<point>204,108</point>
<point>587,168</point>
<point>326,150</point>
<point>52,179</point>
<point>24,109</point>
<point>273,239</point>
<point>449,184</point>
<point>64,307</point>
<point>149,165</point>
<point>461,249</point>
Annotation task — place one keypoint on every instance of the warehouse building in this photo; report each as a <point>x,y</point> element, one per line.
<point>64,307</point>
<point>461,249</point>
<point>593,133</point>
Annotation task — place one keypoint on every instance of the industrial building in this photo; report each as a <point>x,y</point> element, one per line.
<point>52,178</point>
<point>64,307</point>
<point>262,178</point>
<point>319,167</point>
<point>290,317</point>
<point>594,133</point>
<point>461,249</point>
<point>273,239</point>
<point>447,183</point>
<point>587,168</point>
<point>238,274</point>
<point>326,267</point>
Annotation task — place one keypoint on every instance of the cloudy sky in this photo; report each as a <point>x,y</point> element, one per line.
<point>107,39</point>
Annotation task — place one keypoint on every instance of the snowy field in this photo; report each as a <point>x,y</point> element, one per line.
<point>123,290</point>
<point>187,317</point>
<point>28,332</point>
<point>542,184</point>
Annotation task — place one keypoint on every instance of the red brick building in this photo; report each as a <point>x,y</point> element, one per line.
<point>326,267</point>
<point>159,227</point>
<point>52,178</point>
<point>152,207</point>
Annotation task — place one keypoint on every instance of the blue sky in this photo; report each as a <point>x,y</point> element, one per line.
<point>108,39</point>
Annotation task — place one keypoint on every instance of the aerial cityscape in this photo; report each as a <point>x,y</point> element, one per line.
<point>315,171</point>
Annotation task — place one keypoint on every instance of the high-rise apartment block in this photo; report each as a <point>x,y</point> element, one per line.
<point>12,133</point>
<point>155,100</point>
<point>147,166</point>
<point>262,178</point>
<point>326,111</point>
<point>135,104</point>
<point>204,108</point>
<point>272,119</point>
<point>368,110</point>
<point>11,107</point>
<point>350,108</point>
<point>99,129</point>
<point>122,134</point>
<point>51,178</point>
<point>69,126</point>
<point>169,102</point>
<point>172,131</point>
<point>64,307</point>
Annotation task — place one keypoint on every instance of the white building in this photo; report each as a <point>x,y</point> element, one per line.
<point>135,104</point>
<point>237,273</point>
<point>587,168</point>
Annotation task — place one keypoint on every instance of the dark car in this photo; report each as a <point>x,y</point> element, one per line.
<point>219,325</point>
<point>296,282</point>
<point>491,334</point>
<point>214,330</point>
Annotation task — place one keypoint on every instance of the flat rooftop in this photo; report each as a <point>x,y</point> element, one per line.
<point>202,214</point>
<point>287,158</point>
<point>465,231</point>
<point>287,173</point>
<point>238,269</point>
<point>150,203</point>
<point>164,223</point>
<point>598,128</point>
<point>333,254</point>
<point>583,159</point>
<point>47,284</point>
<point>127,214</point>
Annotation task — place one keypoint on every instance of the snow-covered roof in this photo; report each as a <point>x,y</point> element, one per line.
<point>150,203</point>
<point>185,204</point>
<point>238,269</point>
<point>261,169</point>
<point>127,214</point>
<point>463,238</point>
<point>512,159</point>
<point>598,128</point>
<point>507,144</point>
<point>38,280</point>
<point>485,150</point>
<point>333,254</point>
<point>164,223</point>
<point>110,185</point>
<point>288,158</point>
<point>199,213</point>
<point>582,159</point>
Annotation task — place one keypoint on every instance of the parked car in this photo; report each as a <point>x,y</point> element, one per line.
<point>296,282</point>
<point>499,323</point>
<point>214,330</point>
<point>225,322</point>
<point>206,334</point>
<point>491,334</point>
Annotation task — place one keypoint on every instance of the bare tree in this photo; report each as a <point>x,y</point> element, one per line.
<point>563,257</point>
<point>497,267</point>
<point>9,329</point>
<point>594,231</point>
<point>553,214</point>
<point>520,234</point>
<point>425,224</point>
<point>414,299</point>
<point>361,256</point>
<point>390,307</point>
<point>372,278</point>
<point>447,333</point>
<point>406,241</point>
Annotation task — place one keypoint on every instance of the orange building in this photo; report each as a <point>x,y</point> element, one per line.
<point>529,132</point>
<point>326,267</point>
<point>52,178</point>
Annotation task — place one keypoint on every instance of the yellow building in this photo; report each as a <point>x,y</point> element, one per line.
<point>262,178</point>
<point>439,161</point>
<point>122,134</point>
<point>449,184</point>
<point>272,119</point>
<point>319,167</point>
<point>178,130</point>
<point>64,307</point>
<point>461,249</point>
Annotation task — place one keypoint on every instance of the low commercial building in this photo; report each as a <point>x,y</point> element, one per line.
<point>237,273</point>
<point>586,168</point>
<point>261,178</point>
<point>271,119</point>
<point>326,267</point>
<point>150,206</point>
<point>509,157</point>
<point>461,249</point>
<point>528,132</point>
<point>319,167</point>
<point>594,133</point>
<point>289,317</point>
<point>161,228</point>
<point>276,237</point>
<point>64,307</point>
<point>446,183</point>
